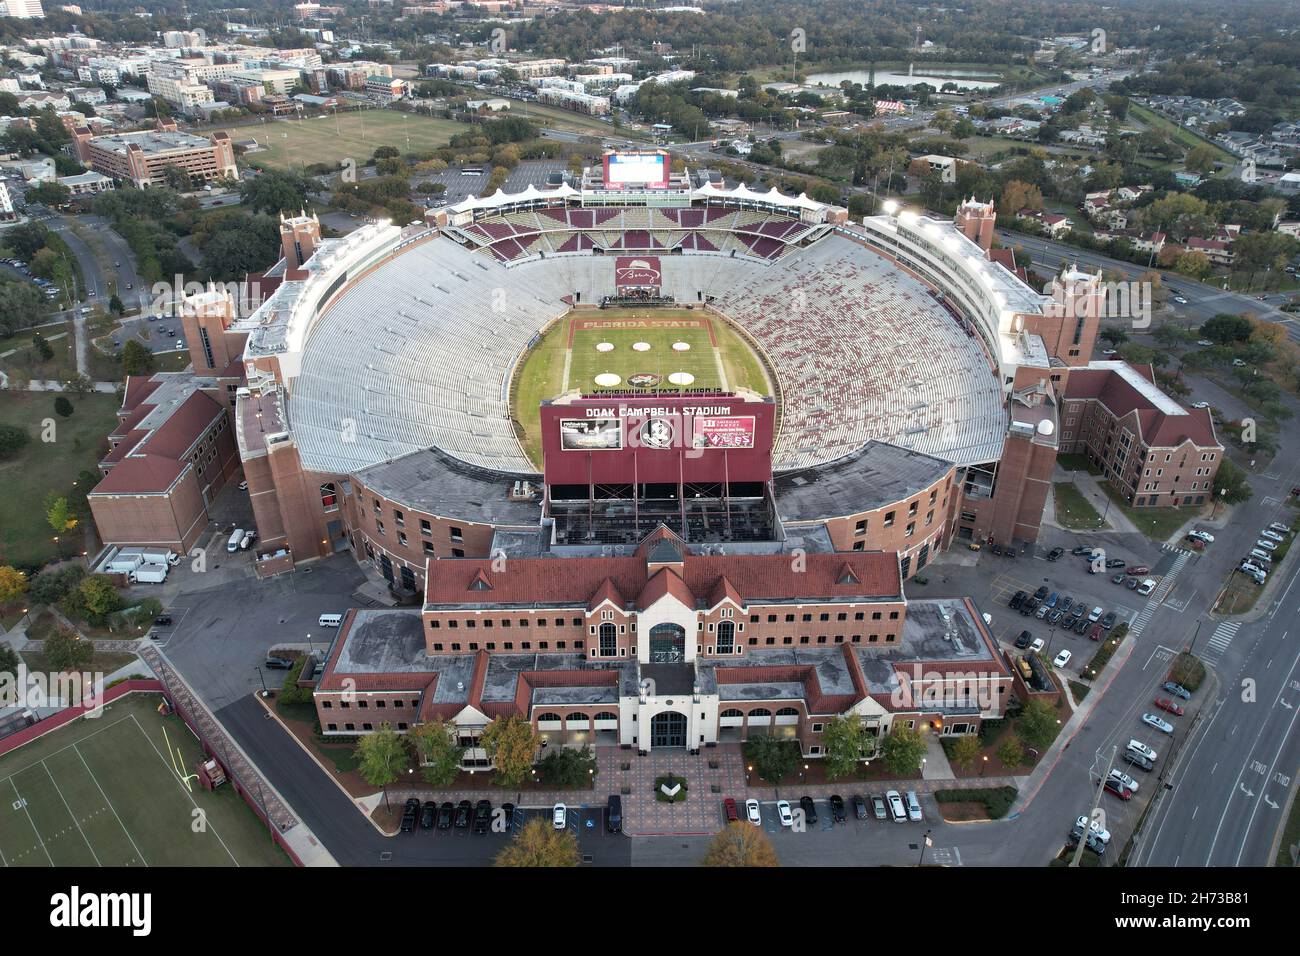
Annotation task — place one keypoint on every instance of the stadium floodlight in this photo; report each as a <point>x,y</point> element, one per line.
<point>890,206</point>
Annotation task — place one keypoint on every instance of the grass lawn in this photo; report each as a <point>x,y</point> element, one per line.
<point>556,118</point>
<point>576,337</point>
<point>102,662</point>
<point>1183,137</point>
<point>1077,463</point>
<point>299,143</point>
<point>1156,523</point>
<point>1073,510</point>
<point>61,366</point>
<point>1290,839</point>
<point>25,536</point>
<point>105,792</point>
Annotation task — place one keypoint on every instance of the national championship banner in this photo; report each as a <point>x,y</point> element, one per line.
<point>637,272</point>
<point>733,431</point>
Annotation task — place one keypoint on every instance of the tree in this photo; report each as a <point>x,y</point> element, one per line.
<point>80,385</point>
<point>58,514</point>
<point>274,192</point>
<point>12,439</point>
<point>1011,751</point>
<point>1114,335</point>
<point>965,751</point>
<point>9,661</point>
<point>1230,482</point>
<point>1200,160</point>
<point>1226,329</point>
<point>1038,723</point>
<point>13,584</point>
<point>62,406</point>
<point>381,756</point>
<point>42,347</point>
<point>567,766</point>
<point>772,759</point>
<point>52,194</point>
<point>511,743</point>
<point>136,359</point>
<point>116,305</point>
<point>903,749</point>
<point>844,742</point>
<point>1017,195</point>
<point>438,753</point>
<point>740,845</point>
<point>539,844</point>
<point>66,652</point>
<point>99,597</point>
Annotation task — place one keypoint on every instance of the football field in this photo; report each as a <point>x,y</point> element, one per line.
<point>106,792</point>
<point>331,139</point>
<point>639,350</point>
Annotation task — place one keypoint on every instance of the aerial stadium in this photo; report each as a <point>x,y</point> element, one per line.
<point>658,406</point>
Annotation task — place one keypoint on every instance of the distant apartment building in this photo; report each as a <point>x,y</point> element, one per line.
<point>579,102</point>
<point>23,9</point>
<point>142,158</point>
<point>6,203</point>
<point>87,184</point>
<point>181,39</point>
<point>385,87</point>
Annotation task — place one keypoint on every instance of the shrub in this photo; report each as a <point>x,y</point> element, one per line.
<point>997,800</point>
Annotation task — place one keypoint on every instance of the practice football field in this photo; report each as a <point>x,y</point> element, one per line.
<point>103,792</point>
<point>303,142</point>
<point>569,357</point>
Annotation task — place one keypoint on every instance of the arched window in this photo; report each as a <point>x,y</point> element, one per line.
<point>576,716</point>
<point>759,712</point>
<point>787,712</point>
<point>726,642</point>
<point>606,715</point>
<point>608,640</point>
<point>731,712</point>
<point>543,718</point>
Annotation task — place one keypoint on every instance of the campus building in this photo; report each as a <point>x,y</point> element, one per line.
<point>142,158</point>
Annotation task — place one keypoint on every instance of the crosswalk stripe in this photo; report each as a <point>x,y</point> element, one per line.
<point>1221,639</point>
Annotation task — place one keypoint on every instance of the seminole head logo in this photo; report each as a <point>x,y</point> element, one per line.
<point>636,271</point>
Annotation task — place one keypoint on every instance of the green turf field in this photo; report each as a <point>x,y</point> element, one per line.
<point>567,358</point>
<point>295,142</point>
<point>102,792</point>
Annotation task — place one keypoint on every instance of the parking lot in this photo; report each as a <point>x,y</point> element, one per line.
<point>585,822</point>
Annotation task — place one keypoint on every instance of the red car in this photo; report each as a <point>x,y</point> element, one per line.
<point>1164,703</point>
<point>732,813</point>
<point>1095,632</point>
<point>1124,793</point>
<point>1137,569</point>
<point>1196,544</point>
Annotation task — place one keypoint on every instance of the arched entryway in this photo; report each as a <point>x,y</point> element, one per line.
<point>667,644</point>
<point>668,729</point>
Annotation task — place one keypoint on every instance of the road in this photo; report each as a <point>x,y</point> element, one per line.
<point>1203,301</point>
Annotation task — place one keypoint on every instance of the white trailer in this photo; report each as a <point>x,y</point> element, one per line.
<point>124,563</point>
<point>161,556</point>
<point>149,574</point>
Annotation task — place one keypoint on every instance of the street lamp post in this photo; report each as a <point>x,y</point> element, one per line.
<point>258,668</point>
<point>925,842</point>
<point>984,765</point>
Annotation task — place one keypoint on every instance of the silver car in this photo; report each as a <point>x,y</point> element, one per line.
<point>1159,723</point>
<point>896,807</point>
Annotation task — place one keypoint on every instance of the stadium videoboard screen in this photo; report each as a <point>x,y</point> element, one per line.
<point>636,170</point>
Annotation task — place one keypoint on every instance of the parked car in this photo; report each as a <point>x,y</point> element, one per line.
<point>243,486</point>
<point>1137,760</point>
<point>752,812</point>
<point>1124,780</point>
<point>482,816</point>
<point>1122,792</point>
<point>1095,632</point>
<point>1165,704</point>
<point>837,808</point>
<point>1053,600</point>
<point>1055,617</point>
<point>559,816</point>
<point>1201,536</point>
<point>1029,607</point>
<point>1042,612</point>
<point>878,807</point>
<point>859,806</point>
<point>410,813</point>
<point>445,814</point>
<point>1095,826</point>
<point>1037,645</point>
<point>896,808</point>
<point>1178,690</point>
<point>1137,569</point>
<point>1132,584</point>
<point>1138,747</point>
<point>809,809</point>
<point>1062,659</point>
<point>1055,553</point>
<point>1116,563</point>
<point>1118,579</point>
<point>1266,544</point>
<point>1108,620</point>
<point>162,621</point>
<point>508,813</point>
<point>1272,535</point>
<point>783,812</point>
<point>913,807</point>
<point>428,813</point>
<point>1090,840</point>
<point>1066,605</point>
<point>1146,587</point>
<point>1095,615</point>
<point>1159,723</point>
<point>1023,640</point>
<point>729,808</point>
<point>1279,527</point>
<point>1081,550</point>
<point>1017,599</point>
<point>1041,593</point>
<point>1081,626</point>
<point>463,812</point>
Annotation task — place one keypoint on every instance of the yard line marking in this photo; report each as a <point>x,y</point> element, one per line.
<point>31,821</point>
<point>68,747</point>
<point>172,772</point>
<point>109,802</point>
<point>59,791</point>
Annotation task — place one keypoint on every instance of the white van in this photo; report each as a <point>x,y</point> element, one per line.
<point>236,537</point>
<point>330,620</point>
<point>1138,747</point>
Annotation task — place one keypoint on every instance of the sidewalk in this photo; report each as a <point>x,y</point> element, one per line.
<point>1090,487</point>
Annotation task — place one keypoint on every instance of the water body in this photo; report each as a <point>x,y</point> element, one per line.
<point>964,79</point>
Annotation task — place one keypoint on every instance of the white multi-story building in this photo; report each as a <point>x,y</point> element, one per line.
<point>6,202</point>
<point>24,9</point>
